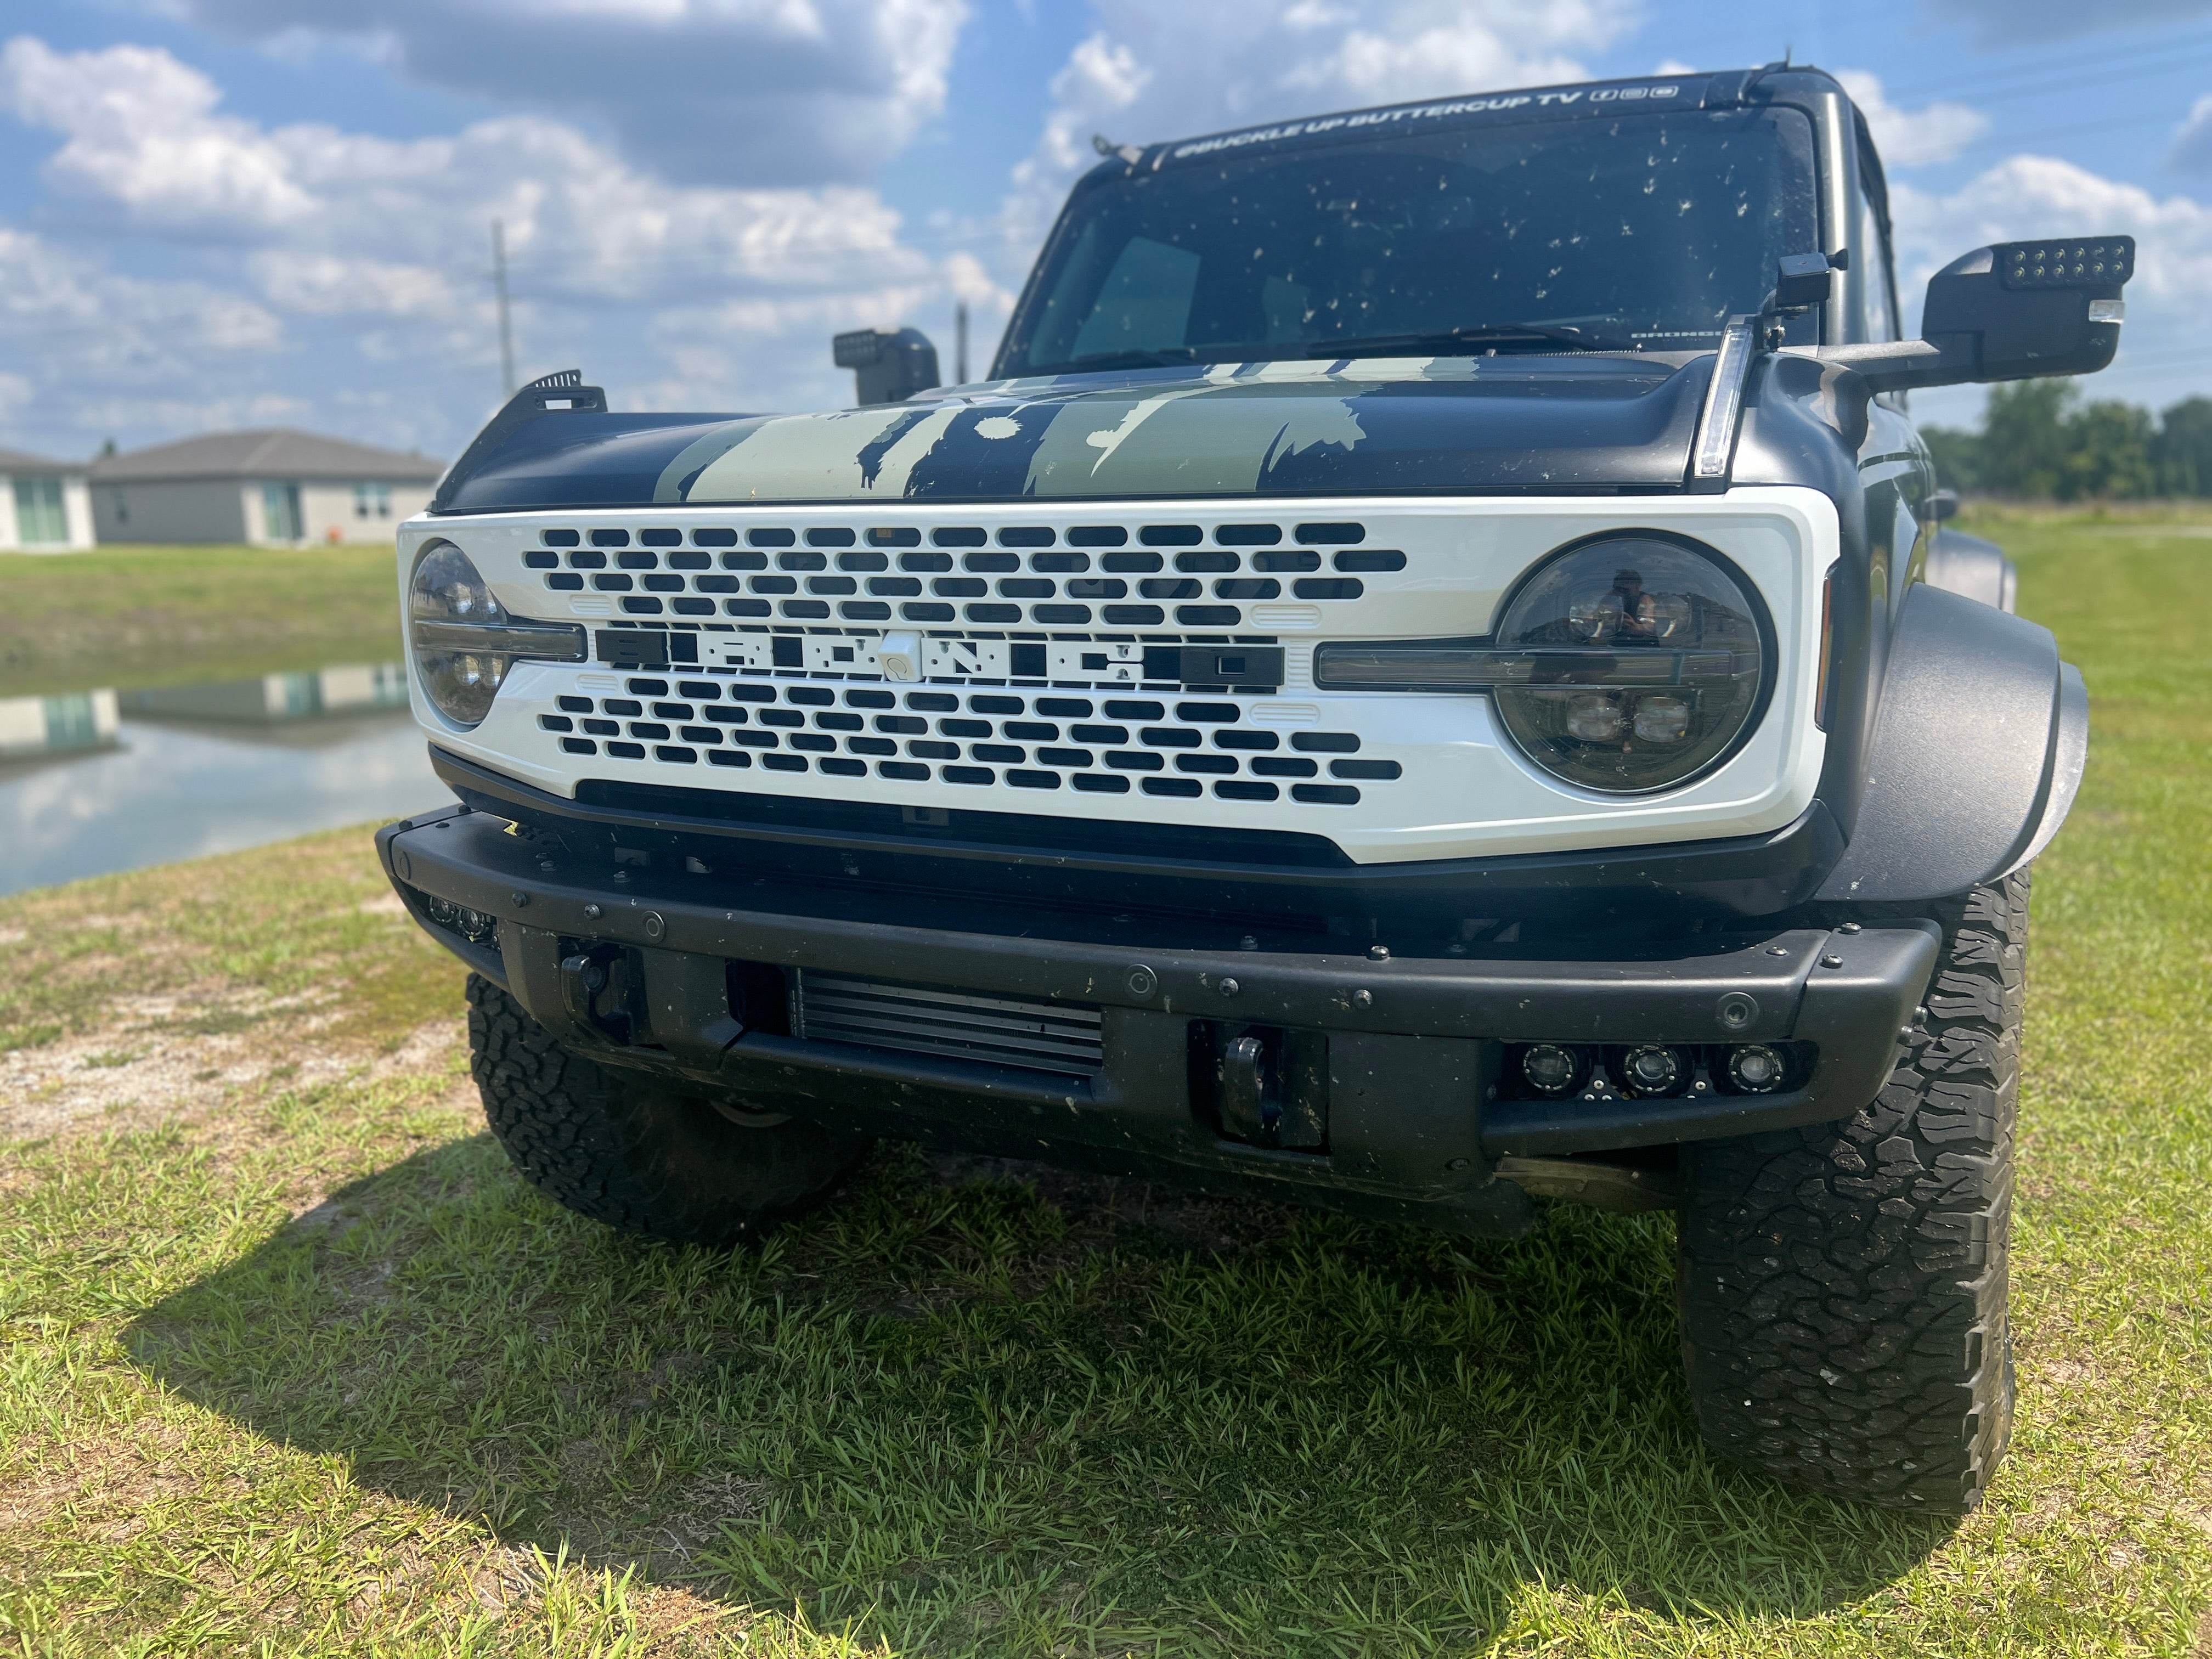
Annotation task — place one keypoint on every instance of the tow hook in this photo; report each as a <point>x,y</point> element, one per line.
<point>594,986</point>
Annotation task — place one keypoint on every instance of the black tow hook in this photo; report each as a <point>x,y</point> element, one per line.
<point>598,987</point>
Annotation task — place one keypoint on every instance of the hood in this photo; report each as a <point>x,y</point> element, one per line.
<point>1424,425</point>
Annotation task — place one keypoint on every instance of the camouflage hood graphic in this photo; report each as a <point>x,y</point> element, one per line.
<point>1372,426</point>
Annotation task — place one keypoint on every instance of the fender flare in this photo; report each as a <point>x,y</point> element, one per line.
<point>1967,564</point>
<point>1979,747</point>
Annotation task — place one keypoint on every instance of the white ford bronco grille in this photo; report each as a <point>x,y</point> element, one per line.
<point>1150,663</point>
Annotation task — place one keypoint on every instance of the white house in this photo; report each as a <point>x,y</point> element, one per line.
<point>45,507</point>
<point>273,488</point>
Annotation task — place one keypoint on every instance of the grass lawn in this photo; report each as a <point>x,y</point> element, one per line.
<point>129,617</point>
<point>294,1363</point>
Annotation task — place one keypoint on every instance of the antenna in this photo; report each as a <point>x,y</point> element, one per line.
<point>960,344</point>
<point>506,324</point>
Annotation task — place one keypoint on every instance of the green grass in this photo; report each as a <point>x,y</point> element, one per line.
<point>312,1372</point>
<point>130,617</point>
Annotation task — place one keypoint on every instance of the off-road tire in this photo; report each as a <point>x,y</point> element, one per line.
<point>1843,1286</point>
<point>626,1150</point>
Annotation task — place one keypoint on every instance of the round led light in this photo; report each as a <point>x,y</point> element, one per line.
<point>447,588</point>
<point>1652,1069</point>
<point>1550,1069</point>
<point>1647,663</point>
<point>1755,1068</point>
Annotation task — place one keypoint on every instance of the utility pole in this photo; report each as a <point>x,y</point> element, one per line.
<point>506,325</point>
<point>960,344</point>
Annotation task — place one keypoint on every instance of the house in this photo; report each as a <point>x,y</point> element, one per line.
<point>44,506</point>
<point>273,488</point>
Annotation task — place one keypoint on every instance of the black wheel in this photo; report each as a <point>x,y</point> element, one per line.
<point>624,1149</point>
<point>1843,1286</point>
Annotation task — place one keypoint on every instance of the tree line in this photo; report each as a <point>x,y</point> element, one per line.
<point>2039,441</point>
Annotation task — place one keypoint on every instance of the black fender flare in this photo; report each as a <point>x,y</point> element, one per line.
<point>1979,747</point>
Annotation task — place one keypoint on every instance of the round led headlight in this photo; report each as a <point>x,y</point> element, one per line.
<point>1646,661</point>
<point>449,593</point>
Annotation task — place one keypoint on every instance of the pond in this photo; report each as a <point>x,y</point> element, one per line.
<point>96,781</point>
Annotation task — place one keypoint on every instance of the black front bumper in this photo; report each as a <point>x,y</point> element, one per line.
<point>1416,1115</point>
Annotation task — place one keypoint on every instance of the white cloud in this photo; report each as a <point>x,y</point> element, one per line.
<point>376,253</point>
<point>2191,148</point>
<point>789,91</point>
<point>1934,133</point>
<point>2028,196</point>
<point>54,301</point>
<point>143,131</point>
<point>1165,69</point>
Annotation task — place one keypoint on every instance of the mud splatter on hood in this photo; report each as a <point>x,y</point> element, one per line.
<point>1370,426</point>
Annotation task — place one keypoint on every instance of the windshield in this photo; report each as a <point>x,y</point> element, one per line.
<point>1643,231</point>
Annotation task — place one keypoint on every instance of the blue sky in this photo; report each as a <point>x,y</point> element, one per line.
<point>231,212</point>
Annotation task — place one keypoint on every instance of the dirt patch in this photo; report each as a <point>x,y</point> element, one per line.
<point>160,1059</point>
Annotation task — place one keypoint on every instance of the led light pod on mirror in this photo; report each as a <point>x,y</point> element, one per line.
<point>1647,661</point>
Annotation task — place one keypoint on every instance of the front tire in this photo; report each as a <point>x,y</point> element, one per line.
<point>1843,1286</point>
<point>635,1153</point>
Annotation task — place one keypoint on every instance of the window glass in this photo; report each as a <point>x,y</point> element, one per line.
<point>1877,309</point>
<point>1647,230</point>
<point>40,519</point>
<point>1144,304</point>
<point>280,512</point>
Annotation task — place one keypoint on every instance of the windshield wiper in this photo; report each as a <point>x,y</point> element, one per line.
<point>1169,357</point>
<point>1469,340</point>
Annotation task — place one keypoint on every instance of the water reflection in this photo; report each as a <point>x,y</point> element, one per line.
<point>268,699</point>
<point>32,728</point>
<point>91,783</point>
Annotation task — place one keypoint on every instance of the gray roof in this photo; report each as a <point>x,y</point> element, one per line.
<point>15,461</point>
<point>278,452</point>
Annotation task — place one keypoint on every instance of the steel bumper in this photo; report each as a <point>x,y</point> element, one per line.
<point>1414,1046</point>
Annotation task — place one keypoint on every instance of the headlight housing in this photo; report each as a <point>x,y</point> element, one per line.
<point>1623,665</point>
<point>464,642</point>
<point>1650,661</point>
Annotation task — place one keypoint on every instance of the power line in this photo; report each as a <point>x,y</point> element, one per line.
<point>2062,72</point>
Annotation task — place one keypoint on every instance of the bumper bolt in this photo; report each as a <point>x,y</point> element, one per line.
<point>521,899</point>
<point>1832,961</point>
<point>592,911</point>
<point>1776,951</point>
<point>1248,943</point>
<point>1378,953</point>
<point>1848,928</point>
<point>1229,988</point>
<point>1363,998</point>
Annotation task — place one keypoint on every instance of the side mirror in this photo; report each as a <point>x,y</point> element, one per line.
<point>1943,504</point>
<point>2012,312</point>
<point>888,368</point>
<point>2023,309</point>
